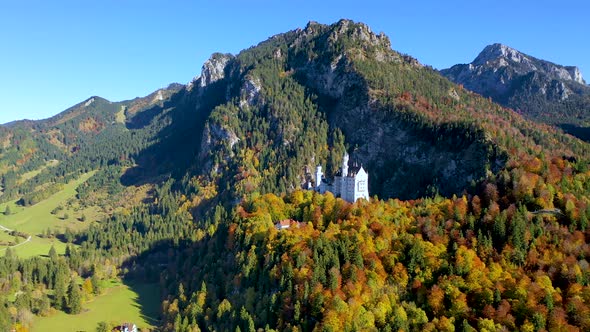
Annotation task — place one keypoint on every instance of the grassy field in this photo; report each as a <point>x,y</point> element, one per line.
<point>37,247</point>
<point>5,237</point>
<point>120,116</point>
<point>32,174</point>
<point>134,303</point>
<point>36,219</point>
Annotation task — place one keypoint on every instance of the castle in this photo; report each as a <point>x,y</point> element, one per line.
<point>349,183</point>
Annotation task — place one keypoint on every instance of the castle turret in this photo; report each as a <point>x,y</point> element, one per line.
<point>318,176</point>
<point>345,165</point>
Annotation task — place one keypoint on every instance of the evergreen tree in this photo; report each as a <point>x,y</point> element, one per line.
<point>52,254</point>
<point>59,297</point>
<point>96,286</point>
<point>74,298</point>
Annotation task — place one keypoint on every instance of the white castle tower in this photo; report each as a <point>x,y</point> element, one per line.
<point>318,177</point>
<point>345,164</point>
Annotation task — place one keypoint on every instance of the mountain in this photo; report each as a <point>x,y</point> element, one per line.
<point>87,136</point>
<point>479,220</point>
<point>538,89</point>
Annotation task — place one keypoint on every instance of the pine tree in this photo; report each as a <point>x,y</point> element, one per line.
<point>52,254</point>
<point>74,298</point>
<point>247,321</point>
<point>96,286</point>
<point>59,298</point>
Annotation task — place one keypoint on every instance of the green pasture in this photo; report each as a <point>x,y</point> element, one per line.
<point>35,220</point>
<point>135,303</point>
<point>31,174</point>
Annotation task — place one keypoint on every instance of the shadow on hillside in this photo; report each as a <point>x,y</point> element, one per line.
<point>142,275</point>
<point>144,118</point>
<point>148,300</point>
<point>582,133</point>
<point>178,127</point>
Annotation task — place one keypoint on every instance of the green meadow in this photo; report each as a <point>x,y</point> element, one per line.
<point>134,303</point>
<point>33,173</point>
<point>36,219</point>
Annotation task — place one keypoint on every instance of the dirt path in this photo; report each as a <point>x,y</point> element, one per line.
<point>16,245</point>
<point>5,229</point>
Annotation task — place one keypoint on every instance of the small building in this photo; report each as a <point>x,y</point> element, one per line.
<point>350,183</point>
<point>286,224</point>
<point>125,327</point>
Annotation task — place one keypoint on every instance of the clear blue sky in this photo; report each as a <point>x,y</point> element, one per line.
<point>55,54</point>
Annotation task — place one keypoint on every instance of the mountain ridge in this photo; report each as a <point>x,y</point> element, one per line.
<point>540,90</point>
<point>498,51</point>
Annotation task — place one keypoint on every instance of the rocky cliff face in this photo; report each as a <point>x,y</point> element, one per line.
<point>212,71</point>
<point>537,88</point>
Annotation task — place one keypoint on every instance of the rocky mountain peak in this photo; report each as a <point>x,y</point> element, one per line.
<point>499,51</point>
<point>575,74</point>
<point>498,55</point>
<point>359,32</point>
<point>536,87</point>
<point>213,70</point>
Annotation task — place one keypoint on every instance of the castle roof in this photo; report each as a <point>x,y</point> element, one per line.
<point>352,171</point>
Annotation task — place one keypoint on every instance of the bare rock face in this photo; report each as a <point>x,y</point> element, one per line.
<point>498,54</point>
<point>214,69</point>
<point>361,33</point>
<point>250,91</point>
<point>215,135</point>
<point>575,74</point>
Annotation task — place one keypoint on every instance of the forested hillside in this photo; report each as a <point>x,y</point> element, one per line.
<point>479,218</point>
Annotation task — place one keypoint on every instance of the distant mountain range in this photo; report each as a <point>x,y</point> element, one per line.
<point>538,89</point>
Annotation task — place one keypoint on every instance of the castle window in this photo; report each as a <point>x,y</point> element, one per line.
<point>362,186</point>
